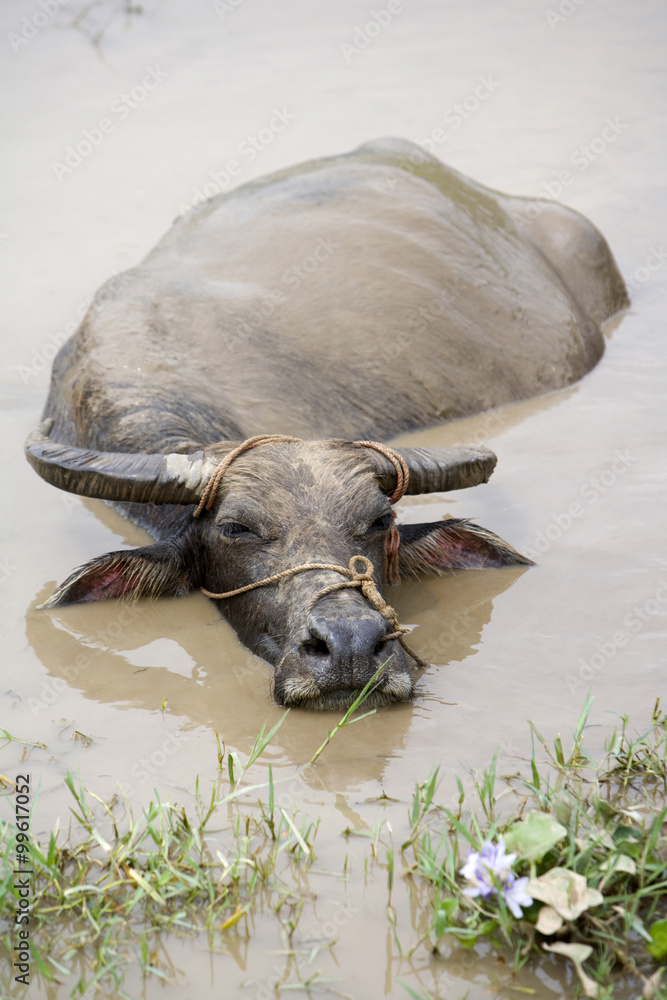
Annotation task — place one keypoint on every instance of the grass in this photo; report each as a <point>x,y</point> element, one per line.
<point>106,893</point>
<point>347,719</point>
<point>102,897</point>
<point>604,822</point>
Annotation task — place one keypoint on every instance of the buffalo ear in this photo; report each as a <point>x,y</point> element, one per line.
<point>453,544</point>
<point>159,570</point>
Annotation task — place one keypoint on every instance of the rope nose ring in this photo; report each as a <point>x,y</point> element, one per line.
<point>364,580</point>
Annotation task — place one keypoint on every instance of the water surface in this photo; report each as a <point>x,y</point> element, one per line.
<point>506,646</point>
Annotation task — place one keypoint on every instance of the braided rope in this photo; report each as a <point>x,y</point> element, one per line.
<point>278,576</point>
<point>211,489</point>
<point>208,496</point>
<point>362,579</point>
<point>399,463</point>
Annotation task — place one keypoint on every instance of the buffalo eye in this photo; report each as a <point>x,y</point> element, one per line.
<point>234,529</point>
<point>383,522</point>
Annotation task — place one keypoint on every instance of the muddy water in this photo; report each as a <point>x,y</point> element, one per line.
<point>581,475</point>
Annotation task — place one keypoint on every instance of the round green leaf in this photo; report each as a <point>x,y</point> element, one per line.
<point>534,836</point>
<point>658,947</point>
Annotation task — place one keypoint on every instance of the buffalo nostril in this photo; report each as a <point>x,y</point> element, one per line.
<point>347,640</point>
<point>316,647</point>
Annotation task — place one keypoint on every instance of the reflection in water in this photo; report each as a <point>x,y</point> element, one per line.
<point>452,610</point>
<point>548,447</point>
<point>136,655</point>
<point>483,427</point>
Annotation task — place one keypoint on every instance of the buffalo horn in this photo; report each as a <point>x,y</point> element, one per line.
<point>437,470</point>
<point>134,478</point>
<point>181,479</point>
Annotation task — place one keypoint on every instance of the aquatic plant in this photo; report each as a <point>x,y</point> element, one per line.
<point>103,892</point>
<point>588,840</point>
<point>489,871</point>
<point>567,857</point>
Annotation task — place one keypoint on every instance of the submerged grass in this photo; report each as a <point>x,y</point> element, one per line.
<point>100,898</point>
<point>588,843</point>
<point>102,895</point>
<point>347,719</point>
<point>586,840</point>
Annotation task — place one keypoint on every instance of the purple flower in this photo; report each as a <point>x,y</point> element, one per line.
<point>515,895</point>
<point>491,867</point>
<point>482,867</point>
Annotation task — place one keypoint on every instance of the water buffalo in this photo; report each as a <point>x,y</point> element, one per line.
<point>347,299</point>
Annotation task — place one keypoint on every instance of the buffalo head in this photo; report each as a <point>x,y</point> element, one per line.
<point>279,506</point>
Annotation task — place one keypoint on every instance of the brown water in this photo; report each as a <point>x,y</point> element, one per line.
<point>581,475</point>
